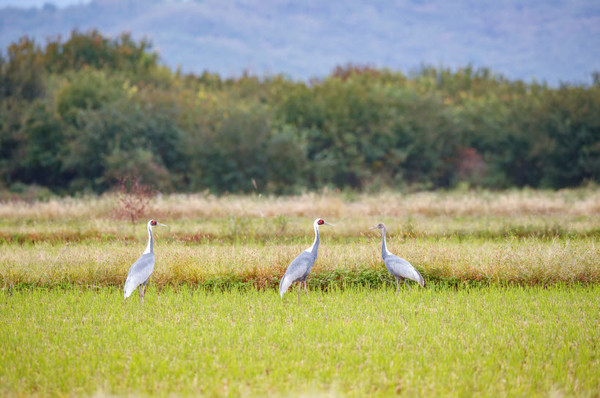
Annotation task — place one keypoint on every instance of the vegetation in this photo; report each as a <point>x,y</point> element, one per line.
<point>512,276</point>
<point>79,115</point>
<point>519,237</point>
<point>510,305</point>
<point>426,342</point>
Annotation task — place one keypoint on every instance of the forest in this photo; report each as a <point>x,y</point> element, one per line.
<point>79,115</point>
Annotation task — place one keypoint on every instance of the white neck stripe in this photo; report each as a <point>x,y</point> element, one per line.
<point>311,248</point>
<point>149,246</point>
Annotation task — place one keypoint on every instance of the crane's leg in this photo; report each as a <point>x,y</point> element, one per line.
<point>397,285</point>
<point>407,285</point>
<point>305,291</point>
<point>142,291</point>
<point>299,286</point>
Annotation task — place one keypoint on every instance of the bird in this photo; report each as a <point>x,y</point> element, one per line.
<point>300,267</point>
<point>398,267</point>
<point>140,271</point>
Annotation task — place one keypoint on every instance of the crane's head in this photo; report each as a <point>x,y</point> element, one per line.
<point>154,223</point>
<point>319,221</point>
<point>379,226</point>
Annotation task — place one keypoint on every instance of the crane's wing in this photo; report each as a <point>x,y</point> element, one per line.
<point>139,273</point>
<point>296,271</point>
<point>399,267</point>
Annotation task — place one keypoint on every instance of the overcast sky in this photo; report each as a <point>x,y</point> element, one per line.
<point>39,3</point>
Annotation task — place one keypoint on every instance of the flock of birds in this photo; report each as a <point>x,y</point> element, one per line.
<point>297,271</point>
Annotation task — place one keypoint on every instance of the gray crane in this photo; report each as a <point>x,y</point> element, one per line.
<point>140,271</point>
<point>299,269</point>
<point>398,267</point>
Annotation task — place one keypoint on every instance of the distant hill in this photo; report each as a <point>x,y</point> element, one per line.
<point>545,40</point>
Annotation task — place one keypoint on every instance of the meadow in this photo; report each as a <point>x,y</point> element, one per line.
<point>494,341</point>
<point>511,304</point>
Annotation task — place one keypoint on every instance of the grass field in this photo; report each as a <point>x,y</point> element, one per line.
<point>511,308</point>
<point>480,341</point>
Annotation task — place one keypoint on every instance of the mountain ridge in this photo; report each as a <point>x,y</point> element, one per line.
<point>553,42</point>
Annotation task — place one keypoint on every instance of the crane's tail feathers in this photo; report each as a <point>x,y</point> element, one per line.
<point>419,278</point>
<point>284,285</point>
<point>129,288</point>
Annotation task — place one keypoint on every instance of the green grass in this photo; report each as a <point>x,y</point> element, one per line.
<point>511,306</point>
<point>242,229</point>
<point>494,341</point>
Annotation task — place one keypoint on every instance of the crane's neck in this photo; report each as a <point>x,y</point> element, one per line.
<point>150,246</point>
<point>384,250</point>
<point>315,246</point>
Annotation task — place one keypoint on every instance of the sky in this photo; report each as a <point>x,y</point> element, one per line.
<point>39,3</point>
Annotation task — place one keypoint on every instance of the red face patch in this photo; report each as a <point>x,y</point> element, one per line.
<point>320,222</point>
<point>152,222</point>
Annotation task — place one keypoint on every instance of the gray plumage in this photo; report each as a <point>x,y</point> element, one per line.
<point>398,267</point>
<point>140,271</point>
<point>300,267</point>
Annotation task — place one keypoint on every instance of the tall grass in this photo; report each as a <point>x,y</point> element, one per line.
<point>453,261</point>
<point>522,237</point>
<point>576,202</point>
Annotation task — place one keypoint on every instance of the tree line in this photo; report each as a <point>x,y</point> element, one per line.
<point>80,114</point>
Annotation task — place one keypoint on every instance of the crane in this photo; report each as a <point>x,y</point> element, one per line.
<point>140,271</point>
<point>299,269</point>
<point>398,267</point>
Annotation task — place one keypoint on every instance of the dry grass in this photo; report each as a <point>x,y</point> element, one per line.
<point>511,203</point>
<point>243,229</point>
<point>576,203</point>
<point>527,237</point>
<point>520,261</point>
<point>202,218</point>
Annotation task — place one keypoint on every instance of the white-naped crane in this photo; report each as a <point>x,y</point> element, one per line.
<point>398,267</point>
<point>140,271</point>
<point>299,269</point>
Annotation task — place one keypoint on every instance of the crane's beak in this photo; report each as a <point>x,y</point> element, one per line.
<point>160,224</point>
<point>328,223</point>
<point>373,227</point>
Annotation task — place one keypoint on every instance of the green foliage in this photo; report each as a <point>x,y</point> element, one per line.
<point>93,50</point>
<point>21,73</point>
<point>44,139</point>
<point>78,115</point>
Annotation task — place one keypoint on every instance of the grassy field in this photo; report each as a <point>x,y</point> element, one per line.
<point>512,304</point>
<point>431,342</point>
<point>518,237</point>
